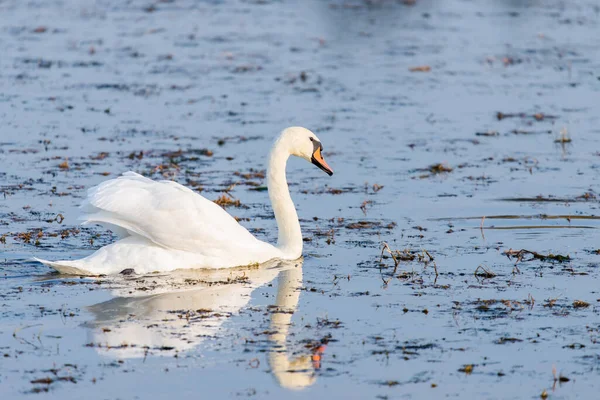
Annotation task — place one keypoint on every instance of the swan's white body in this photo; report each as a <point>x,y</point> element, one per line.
<point>165,226</point>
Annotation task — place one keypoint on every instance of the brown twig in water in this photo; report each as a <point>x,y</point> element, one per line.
<point>423,257</point>
<point>364,205</point>
<point>229,188</point>
<point>551,302</point>
<point>429,255</point>
<point>481,227</point>
<point>530,301</point>
<point>386,247</point>
<point>23,340</point>
<point>485,272</point>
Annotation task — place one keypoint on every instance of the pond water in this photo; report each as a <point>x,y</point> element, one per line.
<point>460,133</point>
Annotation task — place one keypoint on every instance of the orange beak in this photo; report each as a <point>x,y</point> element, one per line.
<point>319,161</point>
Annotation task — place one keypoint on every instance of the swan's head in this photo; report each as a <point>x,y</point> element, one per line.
<point>304,144</point>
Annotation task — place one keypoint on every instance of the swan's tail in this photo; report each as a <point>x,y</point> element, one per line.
<point>65,267</point>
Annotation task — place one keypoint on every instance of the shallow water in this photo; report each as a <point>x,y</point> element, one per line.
<point>196,91</point>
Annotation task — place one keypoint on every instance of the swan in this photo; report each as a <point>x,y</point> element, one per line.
<point>164,226</point>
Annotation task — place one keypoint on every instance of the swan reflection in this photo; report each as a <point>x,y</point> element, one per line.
<point>172,314</point>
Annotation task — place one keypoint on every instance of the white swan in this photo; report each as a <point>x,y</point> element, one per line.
<point>165,226</point>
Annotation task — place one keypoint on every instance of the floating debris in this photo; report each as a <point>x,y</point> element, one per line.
<point>504,340</point>
<point>439,168</point>
<point>64,164</point>
<point>537,116</point>
<point>580,304</point>
<point>520,256</point>
<point>564,137</point>
<point>420,68</point>
<point>423,257</point>
<point>252,174</point>
<point>487,133</point>
<point>467,369</point>
<point>435,169</point>
<point>363,225</point>
<point>524,132</point>
<point>377,188</point>
<point>100,156</point>
<point>484,272</point>
<point>225,201</point>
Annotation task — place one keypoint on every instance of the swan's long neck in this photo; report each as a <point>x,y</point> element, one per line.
<point>289,240</point>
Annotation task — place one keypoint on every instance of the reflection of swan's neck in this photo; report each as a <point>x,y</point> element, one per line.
<point>296,373</point>
<point>289,284</point>
<point>290,237</point>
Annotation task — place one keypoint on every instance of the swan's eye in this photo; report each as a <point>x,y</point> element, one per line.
<point>311,139</point>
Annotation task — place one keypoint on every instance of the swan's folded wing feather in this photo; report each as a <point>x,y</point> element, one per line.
<point>166,213</point>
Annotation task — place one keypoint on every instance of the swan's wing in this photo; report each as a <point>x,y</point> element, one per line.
<point>168,214</point>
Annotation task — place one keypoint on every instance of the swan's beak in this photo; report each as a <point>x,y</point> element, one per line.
<point>319,161</point>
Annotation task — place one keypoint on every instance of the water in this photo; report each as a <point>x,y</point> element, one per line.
<point>108,87</point>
